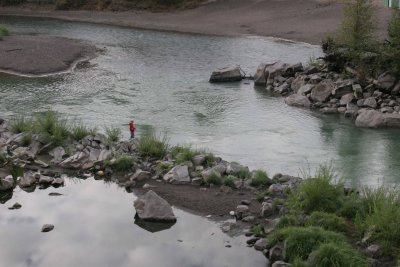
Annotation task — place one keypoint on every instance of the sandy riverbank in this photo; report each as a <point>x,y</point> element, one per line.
<point>301,20</point>
<point>41,55</point>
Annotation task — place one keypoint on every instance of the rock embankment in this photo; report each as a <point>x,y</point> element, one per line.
<point>373,103</point>
<point>33,55</point>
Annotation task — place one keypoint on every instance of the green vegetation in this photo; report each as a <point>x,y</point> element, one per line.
<point>113,135</point>
<point>52,128</point>
<point>20,124</point>
<point>327,221</point>
<point>214,178</point>
<point>258,231</point>
<point>261,195</point>
<point>123,164</point>
<point>3,32</point>
<point>151,146</point>
<point>260,178</point>
<point>79,131</point>
<point>184,153</point>
<point>230,180</point>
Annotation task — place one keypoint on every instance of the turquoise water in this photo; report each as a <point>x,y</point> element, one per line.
<point>161,80</point>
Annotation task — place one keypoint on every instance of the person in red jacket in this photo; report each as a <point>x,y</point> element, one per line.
<point>132,129</point>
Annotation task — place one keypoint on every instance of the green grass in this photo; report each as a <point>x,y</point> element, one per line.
<point>151,146</point>
<point>184,153</point>
<point>230,180</point>
<point>319,193</point>
<point>288,220</point>
<point>79,131</point>
<point>261,195</point>
<point>113,135</point>
<point>123,164</point>
<point>327,221</point>
<point>260,178</point>
<point>214,178</point>
<point>257,230</point>
<point>210,160</point>
<point>52,128</point>
<point>335,255</point>
<point>20,124</point>
<point>3,32</point>
<point>26,139</point>
<point>301,241</point>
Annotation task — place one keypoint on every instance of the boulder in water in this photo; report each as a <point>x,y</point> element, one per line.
<point>228,74</point>
<point>151,207</point>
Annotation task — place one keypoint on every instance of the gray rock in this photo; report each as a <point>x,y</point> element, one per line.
<point>57,154</point>
<point>105,154</point>
<point>140,176</point>
<point>75,161</point>
<point>343,88</point>
<point>392,120</point>
<point>199,160</point>
<point>387,110</point>
<point>248,219</point>
<point>314,79</point>
<point>322,91</point>
<point>297,100</point>
<point>328,110</point>
<point>267,209</point>
<point>45,180</point>
<point>305,89</point>
<point>94,154</point>
<point>273,70</point>
<point>259,76</point>
<point>291,70</point>
<point>386,81</point>
<point>220,168</point>
<point>357,91</point>
<point>235,168</point>
<point>7,183</point>
<point>228,74</point>
<point>276,253</point>
<point>370,119</point>
<point>16,206</point>
<point>282,89</point>
<point>47,228</point>
<point>178,174</point>
<point>242,211</point>
<point>151,207</point>
<point>370,102</point>
<point>276,189</point>
<point>261,244</point>
<point>345,99</point>
<point>57,182</point>
<point>281,264</point>
<point>297,83</point>
<point>374,251</point>
<point>27,180</point>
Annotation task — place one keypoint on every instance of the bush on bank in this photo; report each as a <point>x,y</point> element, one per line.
<point>3,32</point>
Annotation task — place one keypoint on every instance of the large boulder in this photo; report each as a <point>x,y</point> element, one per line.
<point>7,183</point>
<point>291,70</point>
<point>322,91</point>
<point>370,102</point>
<point>274,70</point>
<point>386,81</point>
<point>75,161</point>
<point>57,153</point>
<point>298,82</point>
<point>140,176</point>
<point>151,207</point>
<point>298,100</point>
<point>305,89</point>
<point>259,76</point>
<point>178,174</point>
<point>228,74</point>
<point>370,119</point>
<point>343,88</point>
<point>27,180</point>
<point>235,169</point>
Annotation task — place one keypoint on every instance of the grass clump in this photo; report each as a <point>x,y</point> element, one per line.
<point>260,178</point>
<point>318,193</point>
<point>301,241</point>
<point>3,32</point>
<point>123,164</point>
<point>261,195</point>
<point>151,146</point>
<point>258,231</point>
<point>51,128</point>
<point>287,220</point>
<point>230,180</point>
<point>20,124</point>
<point>79,131</point>
<point>113,134</point>
<point>183,154</point>
<point>334,255</point>
<point>327,221</point>
<point>214,178</point>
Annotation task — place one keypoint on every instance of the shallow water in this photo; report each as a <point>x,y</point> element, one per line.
<point>161,80</point>
<point>95,226</point>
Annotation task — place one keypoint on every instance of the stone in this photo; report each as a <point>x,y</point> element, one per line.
<point>27,180</point>
<point>235,169</point>
<point>94,154</point>
<point>374,251</point>
<point>57,153</point>
<point>276,253</point>
<point>370,119</point>
<point>47,228</point>
<point>178,175</point>
<point>392,120</point>
<point>282,89</point>
<point>41,163</point>
<point>345,99</point>
<point>75,161</point>
<point>199,160</point>
<point>267,209</point>
<point>259,76</point>
<point>396,89</point>
<point>245,202</point>
<point>281,264</point>
<point>322,91</point>
<point>305,89</point>
<point>104,154</point>
<point>140,176</point>
<point>387,110</point>
<point>7,183</point>
<point>291,70</point>
<point>297,100</point>
<point>273,70</point>
<point>249,219</point>
<point>57,182</point>
<point>151,207</point>
<point>328,110</point>
<point>242,211</point>
<point>314,79</point>
<point>386,81</point>
<point>45,180</point>
<point>357,91</point>
<point>260,244</point>
<point>341,109</point>
<point>297,83</point>
<point>370,102</point>
<point>228,74</point>
<point>16,206</point>
<point>343,88</point>
<point>276,189</point>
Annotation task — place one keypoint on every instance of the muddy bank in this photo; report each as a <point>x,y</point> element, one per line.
<point>306,20</point>
<point>41,55</point>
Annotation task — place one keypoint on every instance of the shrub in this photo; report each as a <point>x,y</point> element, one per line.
<point>113,135</point>
<point>334,255</point>
<point>288,220</point>
<point>214,178</point>
<point>230,181</point>
<point>79,131</point>
<point>182,154</point>
<point>318,193</point>
<point>3,31</point>
<point>257,230</point>
<point>123,164</point>
<point>260,178</point>
<point>151,146</point>
<point>20,124</point>
<point>327,221</point>
<point>301,241</point>
<point>51,128</point>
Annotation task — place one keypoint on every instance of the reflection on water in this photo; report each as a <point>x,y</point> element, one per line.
<point>161,80</point>
<point>95,226</point>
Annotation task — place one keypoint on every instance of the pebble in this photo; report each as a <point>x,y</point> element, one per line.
<point>16,206</point>
<point>47,228</point>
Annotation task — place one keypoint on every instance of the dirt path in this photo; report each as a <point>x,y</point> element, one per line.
<point>300,20</point>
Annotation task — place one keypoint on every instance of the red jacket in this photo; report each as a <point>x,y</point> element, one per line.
<point>132,126</point>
